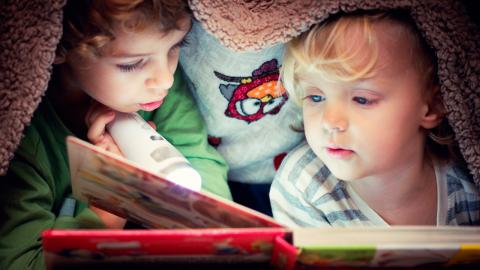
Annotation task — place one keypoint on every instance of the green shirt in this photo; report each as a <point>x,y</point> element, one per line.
<point>37,183</point>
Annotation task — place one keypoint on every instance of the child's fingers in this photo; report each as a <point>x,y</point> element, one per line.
<point>111,145</point>
<point>107,143</point>
<point>95,107</point>
<point>110,220</point>
<point>95,110</point>
<point>96,132</point>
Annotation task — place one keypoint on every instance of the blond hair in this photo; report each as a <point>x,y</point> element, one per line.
<point>325,51</point>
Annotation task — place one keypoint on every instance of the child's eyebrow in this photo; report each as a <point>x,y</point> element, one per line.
<point>306,82</point>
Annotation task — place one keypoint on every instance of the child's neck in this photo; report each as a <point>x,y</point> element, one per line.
<point>70,102</point>
<point>407,196</point>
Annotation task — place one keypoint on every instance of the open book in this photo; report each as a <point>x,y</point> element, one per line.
<point>122,187</point>
<point>206,228</point>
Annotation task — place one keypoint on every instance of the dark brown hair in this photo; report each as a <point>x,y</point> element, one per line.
<point>89,25</point>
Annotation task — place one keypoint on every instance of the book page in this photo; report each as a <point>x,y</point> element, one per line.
<point>401,246</point>
<point>399,235</point>
<point>114,184</point>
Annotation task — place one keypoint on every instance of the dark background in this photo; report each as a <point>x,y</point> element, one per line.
<point>473,9</point>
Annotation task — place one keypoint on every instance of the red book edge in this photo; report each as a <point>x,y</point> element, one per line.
<point>158,241</point>
<point>284,254</point>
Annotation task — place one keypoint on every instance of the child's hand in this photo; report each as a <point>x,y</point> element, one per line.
<point>110,220</point>
<point>97,118</point>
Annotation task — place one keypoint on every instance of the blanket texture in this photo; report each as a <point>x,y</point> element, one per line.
<point>29,33</point>
<point>31,29</point>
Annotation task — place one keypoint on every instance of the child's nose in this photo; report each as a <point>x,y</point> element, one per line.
<point>160,78</point>
<point>334,120</point>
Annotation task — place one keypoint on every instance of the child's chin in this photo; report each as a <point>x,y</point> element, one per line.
<point>128,110</point>
<point>344,174</point>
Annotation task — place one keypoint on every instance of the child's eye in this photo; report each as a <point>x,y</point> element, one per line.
<point>364,101</point>
<point>130,67</point>
<point>315,98</point>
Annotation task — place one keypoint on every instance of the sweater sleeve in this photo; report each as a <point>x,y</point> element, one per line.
<point>31,196</point>
<point>180,122</point>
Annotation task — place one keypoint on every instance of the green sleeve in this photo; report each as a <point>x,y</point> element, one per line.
<point>180,122</point>
<point>31,195</point>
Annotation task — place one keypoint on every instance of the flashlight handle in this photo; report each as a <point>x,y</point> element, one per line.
<point>140,143</point>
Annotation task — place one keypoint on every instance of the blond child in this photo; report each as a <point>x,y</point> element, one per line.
<point>113,56</point>
<point>375,151</point>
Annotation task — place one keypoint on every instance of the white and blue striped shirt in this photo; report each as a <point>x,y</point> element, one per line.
<point>304,193</point>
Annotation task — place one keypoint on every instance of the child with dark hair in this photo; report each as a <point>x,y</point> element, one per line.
<point>113,56</point>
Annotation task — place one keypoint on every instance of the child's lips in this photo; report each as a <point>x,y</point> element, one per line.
<point>338,153</point>
<point>150,106</point>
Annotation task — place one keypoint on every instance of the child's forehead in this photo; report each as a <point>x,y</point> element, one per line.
<point>396,45</point>
<point>312,80</point>
<point>129,43</point>
<point>126,42</point>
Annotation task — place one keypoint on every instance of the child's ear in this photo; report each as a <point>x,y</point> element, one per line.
<point>60,56</point>
<point>59,59</point>
<point>433,111</point>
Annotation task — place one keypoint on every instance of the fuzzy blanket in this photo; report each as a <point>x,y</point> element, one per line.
<point>29,33</point>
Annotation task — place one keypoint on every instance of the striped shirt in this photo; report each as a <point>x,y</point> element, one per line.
<point>305,194</point>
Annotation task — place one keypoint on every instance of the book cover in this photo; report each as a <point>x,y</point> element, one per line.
<point>284,254</point>
<point>87,249</point>
<point>112,183</point>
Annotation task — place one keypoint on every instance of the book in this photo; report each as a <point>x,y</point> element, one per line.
<point>209,230</point>
<point>265,248</point>
<point>122,187</point>
<point>186,248</point>
<point>399,246</point>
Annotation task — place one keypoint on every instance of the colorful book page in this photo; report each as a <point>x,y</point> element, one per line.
<point>114,184</point>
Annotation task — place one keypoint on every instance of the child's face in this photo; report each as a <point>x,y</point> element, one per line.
<point>134,72</point>
<point>372,126</point>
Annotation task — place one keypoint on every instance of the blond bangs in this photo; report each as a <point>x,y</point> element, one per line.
<point>330,53</point>
<point>327,51</point>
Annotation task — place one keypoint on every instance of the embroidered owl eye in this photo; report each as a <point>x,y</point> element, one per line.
<point>272,104</point>
<point>248,106</point>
